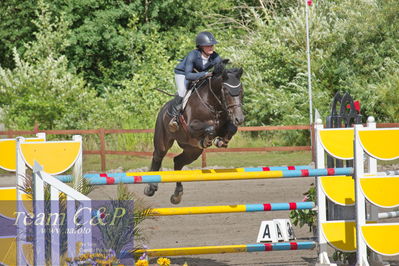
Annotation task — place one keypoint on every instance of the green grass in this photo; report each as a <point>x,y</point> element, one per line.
<point>143,142</point>
<point>228,160</point>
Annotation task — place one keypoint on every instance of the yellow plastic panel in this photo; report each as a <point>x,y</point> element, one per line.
<point>8,153</point>
<point>8,254</point>
<point>340,235</point>
<point>382,238</point>
<point>28,253</point>
<point>381,191</point>
<point>8,248</point>
<point>54,157</point>
<point>339,189</point>
<point>8,204</point>
<point>338,142</point>
<point>382,144</point>
<point>8,193</point>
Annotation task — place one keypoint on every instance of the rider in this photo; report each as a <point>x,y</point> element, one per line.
<point>193,67</point>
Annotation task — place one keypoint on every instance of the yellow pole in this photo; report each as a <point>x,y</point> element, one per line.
<point>198,210</point>
<point>189,177</point>
<point>193,250</point>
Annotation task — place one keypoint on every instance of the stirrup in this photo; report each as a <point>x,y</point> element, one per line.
<point>173,124</point>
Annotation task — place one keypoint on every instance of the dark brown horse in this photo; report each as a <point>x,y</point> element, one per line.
<point>212,114</point>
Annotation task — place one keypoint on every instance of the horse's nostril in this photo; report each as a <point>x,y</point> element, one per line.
<point>239,120</point>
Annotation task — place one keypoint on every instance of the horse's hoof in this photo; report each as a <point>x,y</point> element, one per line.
<point>176,199</point>
<point>150,190</point>
<point>218,142</point>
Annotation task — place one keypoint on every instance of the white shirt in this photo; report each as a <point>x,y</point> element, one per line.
<point>204,59</point>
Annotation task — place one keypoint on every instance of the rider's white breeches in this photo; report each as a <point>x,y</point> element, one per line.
<point>181,84</point>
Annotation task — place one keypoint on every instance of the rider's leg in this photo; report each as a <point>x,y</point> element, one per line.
<point>174,111</point>
<point>176,104</point>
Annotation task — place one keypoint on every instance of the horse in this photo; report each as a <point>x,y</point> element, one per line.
<point>212,114</point>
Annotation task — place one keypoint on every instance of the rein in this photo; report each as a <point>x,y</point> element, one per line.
<point>209,107</point>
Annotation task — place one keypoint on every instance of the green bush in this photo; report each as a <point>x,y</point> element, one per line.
<point>90,63</point>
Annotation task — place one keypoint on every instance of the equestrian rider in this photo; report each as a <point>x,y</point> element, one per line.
<point>193,67</point>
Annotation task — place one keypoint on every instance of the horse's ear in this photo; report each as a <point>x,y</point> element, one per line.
<point>225,61</point>
<point>239,72</point>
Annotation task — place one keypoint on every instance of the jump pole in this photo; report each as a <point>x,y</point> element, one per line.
<point>195,177</point>
<point>227,249</point>
<point>233,208</point>
<point>68,178</point>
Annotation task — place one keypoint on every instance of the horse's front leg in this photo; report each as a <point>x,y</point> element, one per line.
<point>225,136</point>
<point>189,155</point>
<point>161,146</point>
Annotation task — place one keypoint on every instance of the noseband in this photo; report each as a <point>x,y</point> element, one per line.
<point>234,90</point>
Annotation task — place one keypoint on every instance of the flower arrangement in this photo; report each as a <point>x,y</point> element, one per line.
<point>143,261</point>
<point>163,262</point>
<point>94,259</point>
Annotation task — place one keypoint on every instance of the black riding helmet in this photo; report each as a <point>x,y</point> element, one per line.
<point>205,38</point>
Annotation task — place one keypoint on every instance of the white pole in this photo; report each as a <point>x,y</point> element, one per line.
<point>307,4</point>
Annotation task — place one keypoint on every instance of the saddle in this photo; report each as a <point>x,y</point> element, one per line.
<point>192,86</point>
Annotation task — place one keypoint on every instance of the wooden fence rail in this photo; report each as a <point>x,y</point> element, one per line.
<point>103,152</point>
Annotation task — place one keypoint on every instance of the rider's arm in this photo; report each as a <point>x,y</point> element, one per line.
<point>189,68</point>
<point>215,59</point>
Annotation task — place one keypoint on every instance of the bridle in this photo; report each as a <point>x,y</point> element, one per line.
<point>224,88</point>
<point>222,102</point>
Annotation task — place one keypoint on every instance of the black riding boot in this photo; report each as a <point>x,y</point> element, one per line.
<point>174,111</point>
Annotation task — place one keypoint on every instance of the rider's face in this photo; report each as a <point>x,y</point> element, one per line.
<point>208,50</point>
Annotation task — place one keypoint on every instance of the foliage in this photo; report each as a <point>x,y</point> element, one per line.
<point>16,28</point>
<point>113,54</point>
<point>119,234</point>
<point>345,257</point>
<point>305,217</point>
<point>45,93</point>
<point>42,89</point>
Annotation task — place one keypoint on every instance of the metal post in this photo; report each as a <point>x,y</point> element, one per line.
<point>307,4</point>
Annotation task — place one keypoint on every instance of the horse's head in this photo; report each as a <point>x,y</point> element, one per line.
<point>231,92</point>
